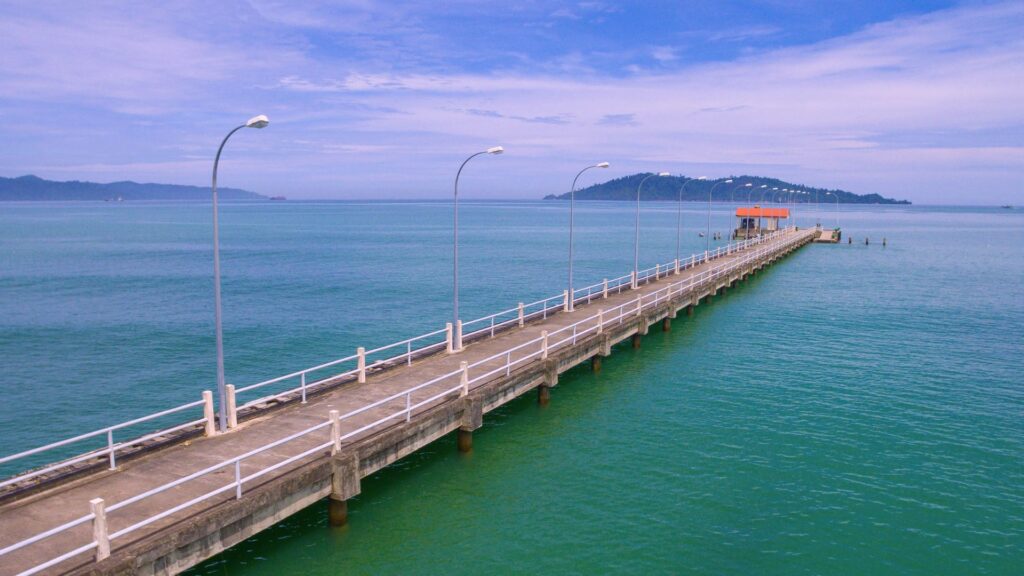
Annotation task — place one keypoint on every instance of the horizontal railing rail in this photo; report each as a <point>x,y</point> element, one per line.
<point>313,378</point>
<point>539,347</point>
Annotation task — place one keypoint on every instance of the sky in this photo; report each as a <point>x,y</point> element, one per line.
<point>922,100</point>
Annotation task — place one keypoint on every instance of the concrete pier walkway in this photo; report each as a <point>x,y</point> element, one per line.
<point>298,454</point>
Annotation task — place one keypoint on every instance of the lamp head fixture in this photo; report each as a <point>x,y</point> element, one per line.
<point>260,121</point>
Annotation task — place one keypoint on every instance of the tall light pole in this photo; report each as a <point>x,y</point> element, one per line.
<point>260,121</point>
<point>679,213</point>
<point>572,204</point>
<point>836,196</point>
<point>763,188</point>
<point>636,236</point>
<point>732,202</point>
<point>707,239</point>
<point>457,342</point>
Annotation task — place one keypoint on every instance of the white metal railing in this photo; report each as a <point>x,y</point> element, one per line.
<point>539,347</point>
<point>310,379</point>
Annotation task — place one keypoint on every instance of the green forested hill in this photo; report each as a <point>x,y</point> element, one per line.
<point>667,188</point>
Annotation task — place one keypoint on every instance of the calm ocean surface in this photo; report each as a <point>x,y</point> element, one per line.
<point>854,410</point>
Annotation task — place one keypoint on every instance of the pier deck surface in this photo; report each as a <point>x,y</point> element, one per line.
<point>35,513</point>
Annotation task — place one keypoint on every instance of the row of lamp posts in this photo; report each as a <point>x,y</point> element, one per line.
<point>262,121</point>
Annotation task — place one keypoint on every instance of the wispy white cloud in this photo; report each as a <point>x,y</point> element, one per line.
<point>823,113</point>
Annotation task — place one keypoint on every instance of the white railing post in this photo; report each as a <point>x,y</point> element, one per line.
<point>99,528</point>
<point>229,395</point>
<point>544,345</point>
<point>639,304</point>
<point>632,279</point>
<point>604,288</point>
<point>208,415</point>
<point>677,266</point>
<point>657,271</point>
<point>335,431</point>
<point>566,301</point>
<point>464,378</point>
<point>522,316</point>
<point>458,336</point>
<point>408,407</point>
<point>238,479</point>
<point>600,320</point>
<point>361,364</point>
<point>408,353</point>
<point>302,384</point>
<point>449,347</point>
<point>110,449</point>
<point>705,255</point>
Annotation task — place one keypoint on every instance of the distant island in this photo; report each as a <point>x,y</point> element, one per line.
<point>35,188</point>
<point>667,188</point>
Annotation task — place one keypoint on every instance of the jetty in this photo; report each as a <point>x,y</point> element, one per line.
<point>167,500</point>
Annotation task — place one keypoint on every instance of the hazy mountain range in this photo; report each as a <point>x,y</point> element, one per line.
<point>35,188</point>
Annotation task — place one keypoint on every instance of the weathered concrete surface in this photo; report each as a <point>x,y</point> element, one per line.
<point>201,531</point>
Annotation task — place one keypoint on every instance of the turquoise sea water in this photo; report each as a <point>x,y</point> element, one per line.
<point>855,409</point>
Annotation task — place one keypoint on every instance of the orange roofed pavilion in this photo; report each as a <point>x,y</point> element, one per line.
<point>756,220</point>
<point>758,212</point>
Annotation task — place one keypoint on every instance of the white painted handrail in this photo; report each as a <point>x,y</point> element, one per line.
<point>529,350</point>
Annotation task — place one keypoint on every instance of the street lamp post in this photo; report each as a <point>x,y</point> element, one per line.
<point>679,213</point>
<point>457,338</point>
<point>732,202</point>
<point>836,196</point>
<point>260,121</point>
<point>763,188</point>
<point>707,239</point>
<point>636,235</point>
<point>572,205</point>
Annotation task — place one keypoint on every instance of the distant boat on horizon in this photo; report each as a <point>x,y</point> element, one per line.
<point>278,198</point>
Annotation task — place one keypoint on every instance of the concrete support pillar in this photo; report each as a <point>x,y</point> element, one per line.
<point>666,324</point>
<point>337,511</point>
<point>472,418</point>
<point>595,363</point>
<point>543,395</point>
<point>689,310</point>
<point>606,345</point>
<point>636,340</point>
<point>345,484</point>
<point>465,440</point>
